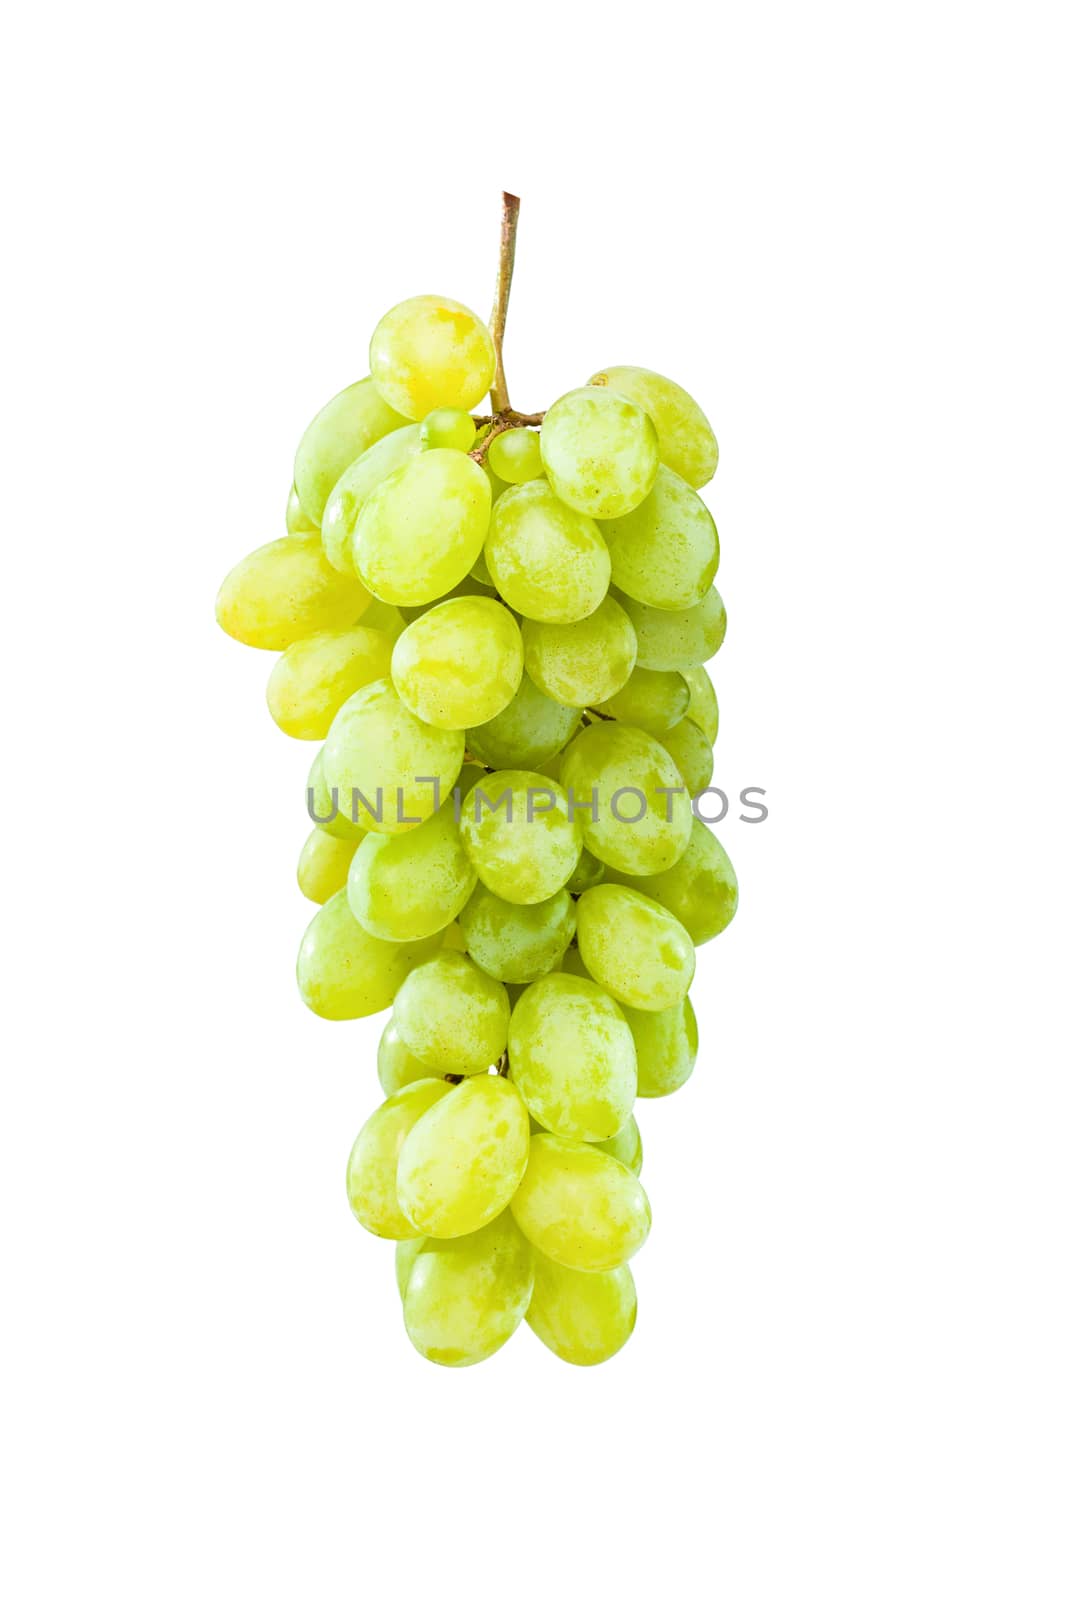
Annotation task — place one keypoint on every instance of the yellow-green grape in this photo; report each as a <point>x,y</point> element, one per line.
<point>666,1044</point>
<point>314,678</point>
<point>581,663</point>
<point>480,572</point>
<point>636,814</point>
<point>548,561</point>
<point>346,426</point>
<point>599,451</point>
<point>453,1014</point>
<point>700,889</point>
<point>690,750</point>
<point>390,770</point>
<point>342,972</point>
<point>470,585</point>
<point>296,518</point>
<point>517,943</point>
<point>634,947</point>
<point>411,885</point>
<point>517,831</point>
<point>397,1066</point>
<point>385,619</point>
<point>671,641</point>
<point>460,663</point>
<point>530,730</point>
<point>572,962</point>
<point>372,1166</point>
<point>355,486</point>
<point>587,874</point>
<point>666,552</point>
<point>583,1317</point>
<point>580,1207</point>
<point>459,1170</point>
<point>328,811</point>
<point>421,530</point>
<point>686,442</point>
<point>453,938</point>
<point>464,1298</point>
<point>447,429</point>
<point>404,1260</point>
<point>287,591</point>
<point>655,701</point>
<point>703,702</point>
<point>323,866</point>
<point>515,456</point>
<point>429,352</point>
<point>572,1057</point>
<point>626,1145</point>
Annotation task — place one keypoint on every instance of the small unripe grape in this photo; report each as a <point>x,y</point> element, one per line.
<point>515,456</point>
<point>447,428</point>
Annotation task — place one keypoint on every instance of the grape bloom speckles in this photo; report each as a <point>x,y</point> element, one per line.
<point>494,626</point>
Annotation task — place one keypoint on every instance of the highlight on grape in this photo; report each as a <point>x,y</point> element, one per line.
<point>494,625</point>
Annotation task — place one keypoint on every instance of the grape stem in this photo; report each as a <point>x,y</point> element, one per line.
<point>503,416</point>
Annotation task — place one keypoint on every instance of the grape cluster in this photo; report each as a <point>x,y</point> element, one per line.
<point>497,628</point>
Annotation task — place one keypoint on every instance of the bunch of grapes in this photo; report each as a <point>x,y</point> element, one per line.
<point>497,626</point>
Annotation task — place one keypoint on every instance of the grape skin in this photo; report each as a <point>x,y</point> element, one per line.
<point>296,518</point>
<point>599,452</point>
<point>286,591</point>
<point>397,1065</point>
<point>703,702</point>
<point>371,1179</point>
<point>654,701</point>
<point>376,744</point>
<point>460,663</point>
<point>700,889</point>
<point>411,885</point>
<point>321,800</point>
<point>666,552</point>
<point>584,662</point>
<point>598,766</point>
<point>579,1206</point>
<point>666,1044</point>
<point>531,856</point>
<point>686,442</point>
<point>517,944</point>
<point>322,870</point>
<point>464,1298</point>
<point>515,456</point>
<point>314,677</point>
<point>672,641</point>
<point>421,531</point>
<point>450,1012</point>
<point>354,487</point>
<point>691,752</point>
<point>531,728</point>
<point>430,352</point>
<point>573,1058</point>
<point>343,973</point>
<point>463,1160</point>
<point>549,562</point>
<point>582,1317</point>
<point>634,948</point>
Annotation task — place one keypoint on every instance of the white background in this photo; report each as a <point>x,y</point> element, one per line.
<point>841,228</point>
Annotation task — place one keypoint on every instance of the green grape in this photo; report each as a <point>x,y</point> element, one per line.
<point>517,832</point>
<point>517,943</point>
<point>548,561</point>
<point>572,1057</point>
<point>287,591</point>
<point>346,426</point>
<point>397,1067</point>
<point>584,662</point>
<point>580,1207</point>
<point>390,770</point>
<point>587,874</point>
<point>411,885</point>
<point>583,1317</point>
<point>666,552</point>
<point>666,1044</point>
<point>700,889</point>
<point>464,1298</point>
<point>642,817</point>
<point>515,456</point>
<point>654,701</point>
<point>671,641</point>
<point>355,486</point>
<point>447,429</point>
<point>342,972</point>
<point>404,1260</point>
<point>459,1169</point>
<point>690,750</point>
<point>314,677</point>
<point>599,452</point>
<point>480,572</point>
<point>326,808</point>
<point>703,702</point>
<point>626,1145</point>
<point>686,442</point>
<point>572,962</point>
<point>323,866</point>
<point>460,663</point>
<point>530,730</point>
<point>296,518</point>
<point>372,1167</point>
<point>453,939</point>
<point>429,352</point>
<point>453,1014</point>
<point>420,531</point>
<point>634,948</point>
